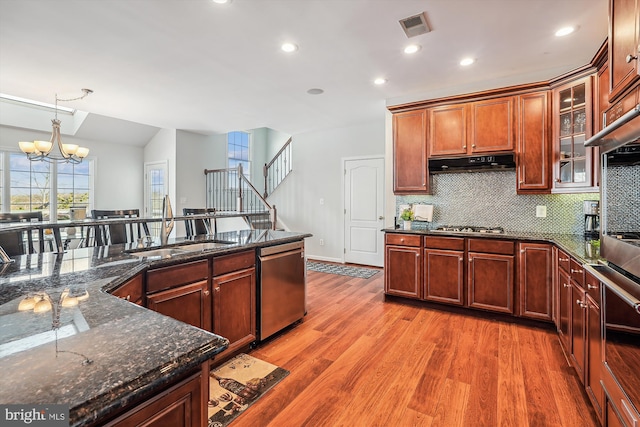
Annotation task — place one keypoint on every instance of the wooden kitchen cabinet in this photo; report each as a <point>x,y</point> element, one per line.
<point>593,341</point>
<point>234,299</point>
<point>564,309</point>
<point>188,303</point>
<point>410,167</point>
<point>490,274</point>
<point>444,269</point>
<point>473,128</point>
<point>182,292</point>
<point>534,280</point>
<point>573,163</point>
<point>183,405</point>
<point>578,328</point>
<point>624,39</point>
<point>533,163</point>
<point>403,265</point>
<point>132,290</point>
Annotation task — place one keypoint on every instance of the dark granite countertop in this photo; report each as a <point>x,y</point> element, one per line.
<point>575,245</point>
<point>133,350</point>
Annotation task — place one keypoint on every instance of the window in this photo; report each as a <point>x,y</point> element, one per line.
<point>52,188</point>
<point>73,187</point>
<point>238,153</point>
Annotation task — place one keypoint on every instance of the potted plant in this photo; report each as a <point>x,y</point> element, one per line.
<point>407,217</point>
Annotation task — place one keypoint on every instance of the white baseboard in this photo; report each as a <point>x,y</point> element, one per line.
<point>323,258</point>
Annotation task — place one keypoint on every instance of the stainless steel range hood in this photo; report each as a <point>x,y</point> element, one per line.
<point>624,130</point>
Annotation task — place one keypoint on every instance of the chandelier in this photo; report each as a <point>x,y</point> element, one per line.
<point>54,150</point>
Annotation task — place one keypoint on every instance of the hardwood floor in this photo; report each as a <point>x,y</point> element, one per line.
<point>358,360</point>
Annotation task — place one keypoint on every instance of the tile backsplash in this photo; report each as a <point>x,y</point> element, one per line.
<point>489,199</point>
<point>623,189</point>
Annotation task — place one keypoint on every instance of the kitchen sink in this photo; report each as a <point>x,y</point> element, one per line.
<point>159,253</point>
<point>204,246</point>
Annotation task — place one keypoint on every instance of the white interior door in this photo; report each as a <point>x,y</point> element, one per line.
<point>364,207</point>
<point>156,185</point>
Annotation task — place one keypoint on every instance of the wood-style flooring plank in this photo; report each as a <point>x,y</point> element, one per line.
<point>360,360</point>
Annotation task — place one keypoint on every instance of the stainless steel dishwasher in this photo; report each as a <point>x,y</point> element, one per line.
<point>282,290</point>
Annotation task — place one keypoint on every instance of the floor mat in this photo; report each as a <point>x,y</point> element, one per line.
<point>236,385</point>
<point>343,270</point>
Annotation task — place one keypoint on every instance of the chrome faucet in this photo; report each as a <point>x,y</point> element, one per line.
<point>167,213</point>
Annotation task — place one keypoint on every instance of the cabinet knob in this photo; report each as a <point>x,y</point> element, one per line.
<point>217,289</point>
<point>128,298</point>
<point>558,180</point>
<point>522,251</point>
<point>522,182</point>
<point>566,286</point>
<point>461,259</point>
<point>401,240</point>
<point>631,58</point>
<point>473,145</point>
<point>464,146</point>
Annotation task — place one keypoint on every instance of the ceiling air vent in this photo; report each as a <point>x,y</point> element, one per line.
<point>415,25</point>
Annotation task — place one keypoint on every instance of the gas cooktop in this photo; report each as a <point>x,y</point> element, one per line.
<point>470,229</point>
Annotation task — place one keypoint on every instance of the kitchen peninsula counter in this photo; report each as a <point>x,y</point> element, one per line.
<point>109,352</point>
<point>576,245</point>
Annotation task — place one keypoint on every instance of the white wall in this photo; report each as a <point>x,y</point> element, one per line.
<point>195,153</point>
<point>109,180</point>
<point>318,174</point>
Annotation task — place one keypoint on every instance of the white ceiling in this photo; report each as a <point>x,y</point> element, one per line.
<point>199,66</point>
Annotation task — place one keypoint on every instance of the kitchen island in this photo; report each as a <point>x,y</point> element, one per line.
<point>99,354</point>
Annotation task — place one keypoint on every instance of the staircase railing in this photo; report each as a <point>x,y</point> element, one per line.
<point>277,169</point>
<point>229,190</point>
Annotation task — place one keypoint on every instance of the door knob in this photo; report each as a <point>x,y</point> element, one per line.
<point>380,217</point>
<point>630,58</point>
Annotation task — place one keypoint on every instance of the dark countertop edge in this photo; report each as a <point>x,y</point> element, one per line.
<point>559,240</point>
<point>132,393</point>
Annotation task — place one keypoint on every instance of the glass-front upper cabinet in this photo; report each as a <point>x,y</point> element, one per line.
<point>572,122</point>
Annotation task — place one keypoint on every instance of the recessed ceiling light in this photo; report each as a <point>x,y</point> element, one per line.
<point>380,81</point>
<point>467,61</point>
<point>289,47</point>
<point>222,1</point>
<point>412,48</point>
<point>565,31</point>
<point>315,91</point>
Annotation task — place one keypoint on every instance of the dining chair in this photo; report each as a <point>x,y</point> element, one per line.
<point>21,242</point>
<point>109,234</point>
<point>199,226</point>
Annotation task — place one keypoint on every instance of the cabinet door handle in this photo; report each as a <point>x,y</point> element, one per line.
<point>630,58</point>
<point>591,287</point>
<point>217,289</point>
<point>206,292</point>
<point>581,304</point>
<point>566,286</point>
<point>576,271</point>
<point>563,259</point>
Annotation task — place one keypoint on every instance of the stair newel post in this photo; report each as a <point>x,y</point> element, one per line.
<point>273,216</point>
<point>239,199</point>
<point>265,174</point>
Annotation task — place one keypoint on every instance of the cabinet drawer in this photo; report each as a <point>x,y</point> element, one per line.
<point>491,246</point>
<point>453,243</point>
<point>177,275</point>
<point>131,290</point>
<point>593,287</point>
<point>563,260</point>
<point>577,272</point>
<point>403,239</point>
<point>234,262</point>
